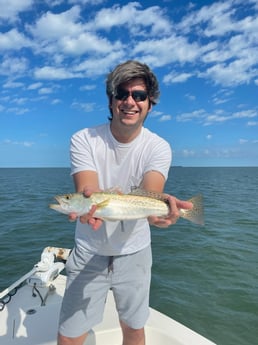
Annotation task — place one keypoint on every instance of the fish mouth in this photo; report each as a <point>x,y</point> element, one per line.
<point>61,200</point>
<point>60,203</point>
<point>58,199</point>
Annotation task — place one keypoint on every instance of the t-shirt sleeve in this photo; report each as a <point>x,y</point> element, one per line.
<point>81,153</point>
<point>160,157</point>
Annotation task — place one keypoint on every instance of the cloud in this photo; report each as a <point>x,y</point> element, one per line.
<point>163,51</point>
<point>53,26</point>
<point>155,113</point>
<point>176,78</point>
<point>17,110</point>
<point>13,66</point>
<point>252,123</point>
<point>211,42</point>
<point>19,143</point>
<point>88,87</point>
<point>218,116</point>
<point>188,153</point>
<point>12,84</point>
<point>13,40</point>
<point>243,141</point>
<point>134,18</point>
<point>56,101</point>
<point>85,2</point>
<point>34,86</point>
<point>54,73</point>
<point>164,118</point>
<point>86,107</point>
<point>45,91</point>
<point>11,8</point>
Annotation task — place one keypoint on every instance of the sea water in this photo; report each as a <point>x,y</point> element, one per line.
<point>204,277</point>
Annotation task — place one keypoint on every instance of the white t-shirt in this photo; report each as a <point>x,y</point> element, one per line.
<point>122,166</point>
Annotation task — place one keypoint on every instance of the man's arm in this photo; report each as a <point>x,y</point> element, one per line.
<point>155,181</point>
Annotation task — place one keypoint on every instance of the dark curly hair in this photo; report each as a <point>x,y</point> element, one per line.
<point>127,71</point>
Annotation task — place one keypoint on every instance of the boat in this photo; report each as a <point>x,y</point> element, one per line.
<point>29,311</point>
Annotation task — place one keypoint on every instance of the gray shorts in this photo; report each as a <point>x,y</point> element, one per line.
<point>89,278</point>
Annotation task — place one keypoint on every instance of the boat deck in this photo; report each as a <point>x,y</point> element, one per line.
<point>31,318</point>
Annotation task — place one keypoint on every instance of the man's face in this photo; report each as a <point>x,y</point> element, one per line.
<point>131,104</point>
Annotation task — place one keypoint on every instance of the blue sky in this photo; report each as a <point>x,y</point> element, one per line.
<point>55,55</point>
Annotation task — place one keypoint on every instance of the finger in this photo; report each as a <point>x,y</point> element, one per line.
<point>72,217</point>
<point>87,192</point>
<point>95,223</point>
<point>174,212</point>
<point>92,211</point>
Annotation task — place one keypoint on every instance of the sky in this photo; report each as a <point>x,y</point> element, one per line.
<point>55,56</point>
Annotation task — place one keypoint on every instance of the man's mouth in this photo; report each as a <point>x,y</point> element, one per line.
<point>129,112</point>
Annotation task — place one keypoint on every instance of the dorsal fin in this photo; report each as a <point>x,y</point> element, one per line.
<point>148,194</point>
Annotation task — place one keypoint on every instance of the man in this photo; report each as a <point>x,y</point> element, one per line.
<point>116,255</point>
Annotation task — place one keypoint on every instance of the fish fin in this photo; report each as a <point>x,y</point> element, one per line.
<point>114,190</point>
<point>196,214</point>
<point>149,194</point>
<point>102,204</point>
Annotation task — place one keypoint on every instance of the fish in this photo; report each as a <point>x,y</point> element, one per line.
<point>113,206</point>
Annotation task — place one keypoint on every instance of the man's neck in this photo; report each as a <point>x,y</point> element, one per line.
<point>125,134</point>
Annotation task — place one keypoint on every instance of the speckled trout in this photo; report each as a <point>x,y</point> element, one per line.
<point>117,206</point>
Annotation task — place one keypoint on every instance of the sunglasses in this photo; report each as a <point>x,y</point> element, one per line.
<point>138,95</point>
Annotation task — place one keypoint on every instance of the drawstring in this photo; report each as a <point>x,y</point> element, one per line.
<point>110,264</point>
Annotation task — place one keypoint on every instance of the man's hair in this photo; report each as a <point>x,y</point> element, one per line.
<point>128,71</point>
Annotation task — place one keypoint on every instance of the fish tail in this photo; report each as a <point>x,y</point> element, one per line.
<point>196,214</point>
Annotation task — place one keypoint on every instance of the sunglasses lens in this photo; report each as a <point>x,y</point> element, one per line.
<point>122,95</point>
<point>138,95</point>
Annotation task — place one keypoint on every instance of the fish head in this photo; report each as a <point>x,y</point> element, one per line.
<point>70,203</point>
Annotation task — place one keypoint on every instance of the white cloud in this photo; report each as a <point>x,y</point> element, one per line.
<point>86,107</point>
<point>12,84</point>
<point>134,18</point>
<point>85,2</point>
<point>54,73</point>
<point>164,118</point>
<point>17,110</point>
<point>218,116</point>
<point>13,40</point>
<point>45,91</point>
<point>88,87</point>
<point>199,44</point>
<point>162,51</point>
<point>53,26</point>
<point>173,77</point>
<point>243,141</point>
<point>34,86</point>
<point>95,66</point>
<point>11,8</point>
<point>87,43</point>
<point>188,153</point>
<point>13,67</point>
<point>19,143</point>
<point>155,113</point>
<point>252,123</point>
<point>196,114</point>
<point>56,101</point>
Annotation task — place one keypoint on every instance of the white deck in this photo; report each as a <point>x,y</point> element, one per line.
<point>24,321</point>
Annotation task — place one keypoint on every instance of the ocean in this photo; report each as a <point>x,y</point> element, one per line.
<point>204,277</point>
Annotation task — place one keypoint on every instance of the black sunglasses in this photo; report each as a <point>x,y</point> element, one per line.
<point>138,95</point>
